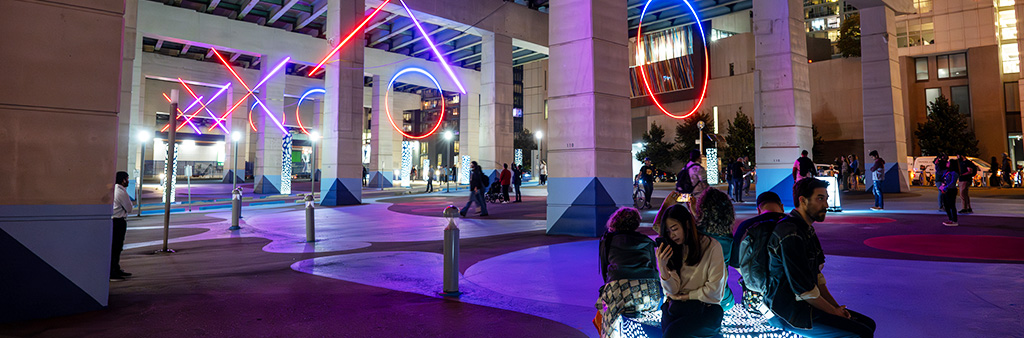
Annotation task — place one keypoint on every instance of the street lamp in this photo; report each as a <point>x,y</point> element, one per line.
<point>313,137</point>
<point>234,167</point>
<point>144,137</point>
<point>448,136</point>
<point>540,135</point>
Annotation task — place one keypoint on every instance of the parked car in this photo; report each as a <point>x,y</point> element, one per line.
<point>926,176</point>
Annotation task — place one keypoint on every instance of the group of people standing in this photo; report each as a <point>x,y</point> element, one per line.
<point>479,184</point>
<point>847,169</point>
<point>683,271</point>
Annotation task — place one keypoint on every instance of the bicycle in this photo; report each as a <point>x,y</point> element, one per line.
<point>638,195</point>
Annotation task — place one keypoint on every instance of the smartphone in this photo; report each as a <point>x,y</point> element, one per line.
<point>683,198</point>
<point>660,240</point>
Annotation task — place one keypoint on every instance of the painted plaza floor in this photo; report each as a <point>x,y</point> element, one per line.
<point>376,271</point>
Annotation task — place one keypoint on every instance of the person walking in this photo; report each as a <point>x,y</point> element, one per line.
<point>647,180</point>
<point>967,170</point>
<point>430,180</point>
<point>477,187</point>
<point>1007,170</point>
<point>517,181</point>
<point>947,191</point>
<point>803,167</point>
<point>506,182</point>
<point>365,175</point>
<point>543,173</point>
<point>122,207</point>
<point>878,176</point>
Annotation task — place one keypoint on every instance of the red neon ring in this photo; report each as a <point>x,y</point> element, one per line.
<point>643,74</point>
<point>253,126</point>
<point>388,109</point>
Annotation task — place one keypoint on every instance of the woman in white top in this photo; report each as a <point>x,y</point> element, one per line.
<point>692,271</point>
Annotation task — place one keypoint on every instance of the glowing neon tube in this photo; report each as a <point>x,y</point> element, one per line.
<point>440,57</point>
<point>388,110</point>
<point>221,91</point>
<point>297,105</point>
<point>707,70</point>
<point>181,113</point>
<point>250,90</point>
<point>271,116</point>
<point>358,29</point>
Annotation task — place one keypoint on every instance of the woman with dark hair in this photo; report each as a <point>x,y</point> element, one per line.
<point>631,277</point>
<point>715,216</point>
<point>692,272</point>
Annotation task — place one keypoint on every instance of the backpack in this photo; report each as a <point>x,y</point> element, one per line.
<point>753,261</point>
<point>683,183</point>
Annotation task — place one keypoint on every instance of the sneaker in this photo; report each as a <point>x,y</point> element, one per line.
<point>483,215</point>
<point>965,211</point>
<point>876,208</point>
<point>950,223</point>
<point>970,210</point>
<point>117,278</point>
<point>463,212</point>
<point>126,274</point>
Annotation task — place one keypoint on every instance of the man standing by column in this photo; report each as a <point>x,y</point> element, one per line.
<point>803,167</point>
<point>506,181</point>
<point>122,207</point>
<point>877,175</point>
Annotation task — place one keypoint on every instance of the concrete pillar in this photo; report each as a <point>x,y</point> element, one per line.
<point>381,166</point>
<point>495,102</point>
<point>884,123</point>
<point>237,123</point>
<point>59,140</point>
<point>469,126</point>
<point>269,136</point>
<point>782,108</point>
<point>130,121</point>
<point>343,109</point>
<point>1018,9</point>
<point>589,160</point>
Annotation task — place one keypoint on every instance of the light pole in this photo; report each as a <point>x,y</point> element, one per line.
<point>144,137</point>
<point>234,167</point>
<point>313,137</point>
<point>540,135</point>
<point>448,136</point>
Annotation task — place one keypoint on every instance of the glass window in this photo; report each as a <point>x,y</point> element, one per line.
<point>915,32</point>
<point>921,64</point>
<point>1010,58</point>
<point>923,6</point>
<point>961,96</point>
<point>930,94</point>
<point>942,65</point>
<point>1012,94</point>
<point>953,65</point>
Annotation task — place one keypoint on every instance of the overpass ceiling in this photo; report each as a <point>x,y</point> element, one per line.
<point>394,32</point>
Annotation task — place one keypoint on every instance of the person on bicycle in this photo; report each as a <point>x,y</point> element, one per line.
<point>647,180</point>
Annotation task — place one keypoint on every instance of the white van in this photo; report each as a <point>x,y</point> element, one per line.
<point>926,176</point>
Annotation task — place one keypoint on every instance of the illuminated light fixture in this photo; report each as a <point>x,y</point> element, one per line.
<point>387,109</point>
<point>216,121</point>
<point>182,114</point>
<point>440,57</point>
<point>358,29</point>
<point>250,90</point>
<point>253,126</point>
<point>307,93</point>
<point>643,74</point>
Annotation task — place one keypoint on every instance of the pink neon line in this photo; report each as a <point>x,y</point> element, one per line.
<point>440,58</point>
<point>181,113</point>
<point>350,35</point>
<point>250,90</point>
<point>221,91</point>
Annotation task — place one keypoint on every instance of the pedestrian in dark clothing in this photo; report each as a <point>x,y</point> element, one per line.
<point>736,172</point>
<point>517,181</point>
<point>122,207</point>
<point>803,167</point>
<point>476,190</point>
<point>941,163</point>
<point>364,176</point>
<point>647,179</point>
<point>1007,170</point>
<point>430,180</point>
<point>948,191</point>
<point>506,182</point>
<point>967,169</point>
<point>878,176</point>
<point>993,173</point>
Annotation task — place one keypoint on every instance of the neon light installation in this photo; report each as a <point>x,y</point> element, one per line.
<point>250,90</point>
<point>358,29</point>
<point>253,126</point>
<point>387,109</point>
<point>216,122</point>
<point>643,74</point>
<point>440,57</point>
<point>297,105</point>
<point>181,114</point>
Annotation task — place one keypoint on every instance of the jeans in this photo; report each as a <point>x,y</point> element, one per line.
<point>831,326</point>
<point>117,245</point>
<point>519,194</point>
<point>964,186</point>
<point>648,189</point>
<point>876,188</point>
<point>737,184</point>
<point>692,318</point>
<point>949,203</point>
<point>504,192</point>
<point>478,197</point>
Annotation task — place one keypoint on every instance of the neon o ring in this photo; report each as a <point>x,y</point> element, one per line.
<point>643,74</point>
<point>253,126</point>
<point>388,109</point>
<point>308,92</point>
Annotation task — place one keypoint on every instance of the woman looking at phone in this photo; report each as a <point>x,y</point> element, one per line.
<point>692,272</point>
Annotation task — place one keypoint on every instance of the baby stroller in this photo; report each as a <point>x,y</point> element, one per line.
<point>493,194</point>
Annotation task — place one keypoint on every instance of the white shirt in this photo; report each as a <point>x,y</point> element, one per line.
<point>705,281</point>
<point>122,203</point>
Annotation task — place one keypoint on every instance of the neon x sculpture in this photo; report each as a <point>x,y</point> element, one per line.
<point>251,90</point>
<point>188,120</point>
<point>643,74</point>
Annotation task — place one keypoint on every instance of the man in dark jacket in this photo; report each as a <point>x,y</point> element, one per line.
<point>517,181</point>
<point>797,295</point>
<point>477,188</point>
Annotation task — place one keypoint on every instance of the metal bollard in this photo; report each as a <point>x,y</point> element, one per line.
<point>451,254</point>
<point>309,219</point>
<point>236,208</point>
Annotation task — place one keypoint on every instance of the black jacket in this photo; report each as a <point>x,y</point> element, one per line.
<point>476,180</point>
<point>627,255</point>
<point>795,260</point>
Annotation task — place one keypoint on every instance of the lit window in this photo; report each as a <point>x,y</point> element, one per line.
<point>921,65</point>
<point>923,6</point>
<point>915,32</point>
<point>953,65</point>
<point>930,94</point>
<point>1010,57</point>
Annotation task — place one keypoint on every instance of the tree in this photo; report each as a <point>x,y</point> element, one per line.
<point>525,140</point>
<point>740,138</point>
<point>656,149</point>
<point>687,135</point>
<point>945,131</point>
<point>816,152</point>
<point>849,37</point>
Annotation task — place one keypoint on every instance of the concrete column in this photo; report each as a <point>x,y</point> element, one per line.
<point>884,123</point>
<point>269,135</point>
<point>469,126</point>
<point>381,166</point>
<point>589,157</point>
<point>782,107</point>
<point>60,147</point>
<point>237,123</point>
<point>1018,9</point>
<point>130,119</point>
<point>343,109</point>
<point>495,102</point>
<point>318,125</point>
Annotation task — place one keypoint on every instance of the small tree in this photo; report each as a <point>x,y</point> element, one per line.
<point>656,149</point>
<point>945,131</point>
<point>816,151</point>
<point>849,37</point>
<point>740,138</point>
<point>525,140</point>
<point>687,135</point>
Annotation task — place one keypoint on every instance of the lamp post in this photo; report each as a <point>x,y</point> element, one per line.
<point>144,137</point>
<point>448,136</point>
<point>234,167</point>
<point>313,137</point>
<point>540,135</point>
